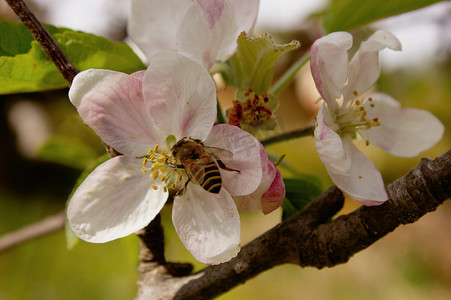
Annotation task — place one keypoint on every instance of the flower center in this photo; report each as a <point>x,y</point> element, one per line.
<point>252,111</point>
<point>352,117</point>
<point>160,164</point>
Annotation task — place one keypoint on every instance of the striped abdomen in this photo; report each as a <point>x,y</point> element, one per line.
<point>208,177</point>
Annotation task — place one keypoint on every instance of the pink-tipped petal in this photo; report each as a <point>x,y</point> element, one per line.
<point>114,201</point>
<point>180,95</point>
<point>274,195</point>
<point>269,194</point>
<point>153,24</point>
<point>208,32</point>
<point>364,182</point>
<point>247,158</point>
<point>111,103</point>
<point>364,67</point>
<point>329,64</point>
<point>208,224</point>
<point>402,132</point>
<point>329,145</point>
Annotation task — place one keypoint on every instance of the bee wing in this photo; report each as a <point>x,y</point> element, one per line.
<point>218,153</point>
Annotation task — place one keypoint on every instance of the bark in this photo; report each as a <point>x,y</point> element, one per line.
<point>309,238</point>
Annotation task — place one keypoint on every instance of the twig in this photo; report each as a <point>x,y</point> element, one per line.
<point>44,38</point>
<point>289,135</point>
<point>41,228</point>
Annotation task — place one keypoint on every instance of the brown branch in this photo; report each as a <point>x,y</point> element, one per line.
<point>309,239</point>
<point>44,38</point>
<point>41,228</point>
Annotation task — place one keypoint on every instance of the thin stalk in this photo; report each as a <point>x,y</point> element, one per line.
<point>220,115</point>
<point>289,75</point>
<point>306,131</point>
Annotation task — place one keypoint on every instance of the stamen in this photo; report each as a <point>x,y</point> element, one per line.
<point>154,187</point>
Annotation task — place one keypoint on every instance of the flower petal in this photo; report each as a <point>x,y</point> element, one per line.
<point>208,32</point>
<point>111,103</point>
<point>208,224</point>
<point>274,195</point>
<point>364,67</point>
<point>402,132</point>
<point>246,13</point>
<point>329,145</point>
<point>268,196</point>
<point>114,201</point>
<point>153,24</point>
<point>180,95</point>
<point>329,64</point>
<point>247,158</point>
<point>364,182</point>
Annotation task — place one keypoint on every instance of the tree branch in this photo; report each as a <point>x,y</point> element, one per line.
<point>309,239</point>
<point>41,228</point>
<point>44,38</point>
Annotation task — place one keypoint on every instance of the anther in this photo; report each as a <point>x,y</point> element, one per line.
<point>154,187</point>
<point>155,166</point>
<point>155,175</point>
<point>155,148</point>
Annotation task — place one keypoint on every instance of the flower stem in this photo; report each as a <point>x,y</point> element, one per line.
<point>220,115</point>
<point>289,75</point>
<point>289,135</point>
<point>44,39</point>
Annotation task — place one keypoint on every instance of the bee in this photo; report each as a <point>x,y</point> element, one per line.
<point>201,163</point>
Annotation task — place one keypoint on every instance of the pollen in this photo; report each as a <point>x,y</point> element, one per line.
<point>160,163</point>
<point>155,175</point>
<point>353,116</point>
<point>252,110</point>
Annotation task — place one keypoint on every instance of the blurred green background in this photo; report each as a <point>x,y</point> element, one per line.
<point>414,262</point>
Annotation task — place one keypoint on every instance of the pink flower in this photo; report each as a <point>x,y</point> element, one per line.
<point>143,116</point>
<point>349,109</point>
<point>204,30</point>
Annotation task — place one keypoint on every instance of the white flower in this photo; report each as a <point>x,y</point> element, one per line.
<point>349,109</point>
<point>142,116</point>
<point>204,30</point>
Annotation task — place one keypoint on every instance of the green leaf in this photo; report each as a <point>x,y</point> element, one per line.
<point>67,151</point>
<point>253,62</point>
<point>300,191</point>
<point>349,14</point>
<point>16,39</point>
<point>71,239</point>
<point>24,66</point>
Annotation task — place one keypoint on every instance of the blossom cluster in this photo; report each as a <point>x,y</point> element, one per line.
<point>162,121</point>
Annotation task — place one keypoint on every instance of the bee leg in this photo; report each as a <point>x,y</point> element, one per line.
<point>176,166</point>
<point>224,167</point>
<point>182,191</point>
